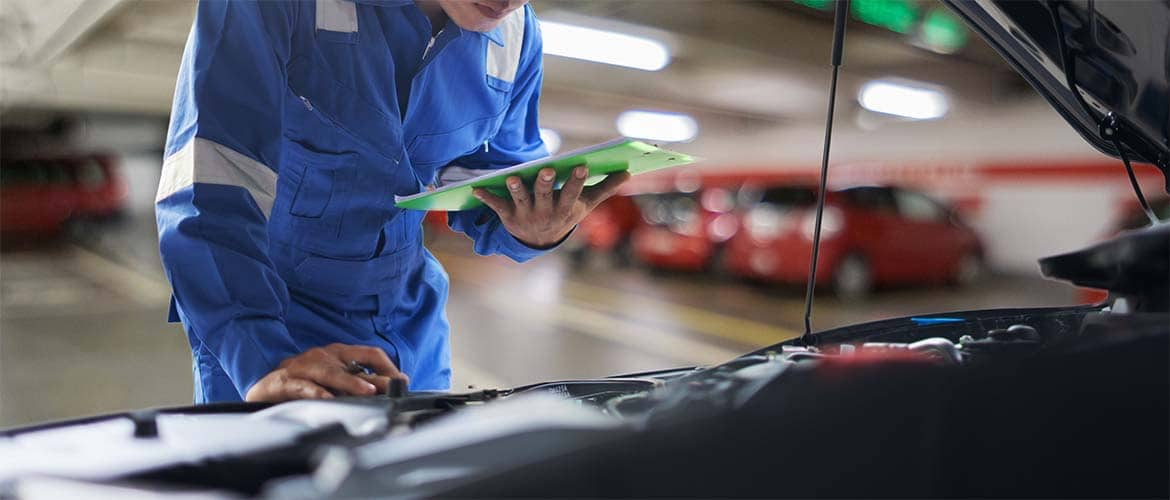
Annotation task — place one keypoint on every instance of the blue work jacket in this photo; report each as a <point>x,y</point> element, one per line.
<point>294,125</point>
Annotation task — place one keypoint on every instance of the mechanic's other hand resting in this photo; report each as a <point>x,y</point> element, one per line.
<point>322,372</point>
<point>544,217</point>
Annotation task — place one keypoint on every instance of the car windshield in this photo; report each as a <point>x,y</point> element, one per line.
<point>35,172</point>
<point>777,196</point>
<point>22,173</point>
<point>789,197</point>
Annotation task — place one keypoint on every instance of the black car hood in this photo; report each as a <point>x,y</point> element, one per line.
<point>1119,54</point>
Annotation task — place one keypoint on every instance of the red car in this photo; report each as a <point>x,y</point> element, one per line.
<point>870,236</point>
<point>685,231</point>
<point>40,195</point>
<point>434,223</point>
<point>606,230</point>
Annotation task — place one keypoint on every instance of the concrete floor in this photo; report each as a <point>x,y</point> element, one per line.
<point>83,331</point>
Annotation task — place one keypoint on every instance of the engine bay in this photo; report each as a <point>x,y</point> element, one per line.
<point>550,438</point>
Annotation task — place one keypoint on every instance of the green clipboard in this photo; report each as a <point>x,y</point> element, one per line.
<point>602,159</point>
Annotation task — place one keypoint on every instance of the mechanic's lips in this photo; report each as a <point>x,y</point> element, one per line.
<point>490,12</point>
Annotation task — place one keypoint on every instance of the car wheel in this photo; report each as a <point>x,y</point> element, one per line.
<point>716,266</point>
<point>852,280</point>
<point>578,256</point>
<point>624,253</point>
<point>969,270</point>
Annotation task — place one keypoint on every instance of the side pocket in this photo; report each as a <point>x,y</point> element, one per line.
<point>315,175</point>
<point>313,192</point>
<point>354,277</point>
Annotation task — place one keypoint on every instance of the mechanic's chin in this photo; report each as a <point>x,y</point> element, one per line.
<point>477,16</point>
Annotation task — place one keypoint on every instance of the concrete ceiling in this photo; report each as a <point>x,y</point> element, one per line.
<point>739,67</point>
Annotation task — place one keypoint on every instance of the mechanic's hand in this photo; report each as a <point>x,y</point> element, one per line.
<point>544,217</point>
<point>322,371</point>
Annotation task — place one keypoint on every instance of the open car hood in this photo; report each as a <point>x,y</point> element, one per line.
<point>1119,54</point>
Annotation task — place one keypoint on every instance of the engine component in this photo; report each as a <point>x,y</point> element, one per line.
<point>145,424</point>
<point>396,389</point>
<point>936,348</point>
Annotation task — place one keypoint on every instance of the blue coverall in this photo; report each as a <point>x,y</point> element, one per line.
<point>294,124</point>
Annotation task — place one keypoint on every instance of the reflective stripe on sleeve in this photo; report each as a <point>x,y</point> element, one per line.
<point>502,62</point>
<point>207,162</point>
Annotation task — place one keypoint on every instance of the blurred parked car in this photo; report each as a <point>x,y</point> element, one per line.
<point>871,236</point>
<point>40,195</point>
<point>607,230</point>
<point>434,223</point>
<point>685,231</point>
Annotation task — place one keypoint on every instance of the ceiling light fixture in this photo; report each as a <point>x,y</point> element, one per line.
<point>607,47</point>
<point>914,102</point>
<point>657,125</point>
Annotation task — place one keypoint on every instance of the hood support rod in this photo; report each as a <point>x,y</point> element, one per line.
<point>839,17</point>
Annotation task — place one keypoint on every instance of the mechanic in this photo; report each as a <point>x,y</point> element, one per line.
<point>294,125</point>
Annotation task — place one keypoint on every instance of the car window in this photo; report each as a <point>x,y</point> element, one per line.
<point>789,196</point>
<point>22,173</point>
<point>57,173</point>
<point>919,207</point>
<point>871,199</point>
<point>90,174</point>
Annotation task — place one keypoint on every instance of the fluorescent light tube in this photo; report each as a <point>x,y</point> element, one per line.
<point>657,125</point>
<point>918,103</point>
<point>607,47</point>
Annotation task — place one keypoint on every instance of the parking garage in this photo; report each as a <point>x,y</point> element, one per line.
<point>950,176</point>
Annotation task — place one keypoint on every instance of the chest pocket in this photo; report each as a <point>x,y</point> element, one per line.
<point>340,164</point>
<point>338,108</point>
<point>433,150</point>
<point>482,108</point>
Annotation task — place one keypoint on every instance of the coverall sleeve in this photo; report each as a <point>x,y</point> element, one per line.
<point>218,184</point>
<point>517,141</point>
